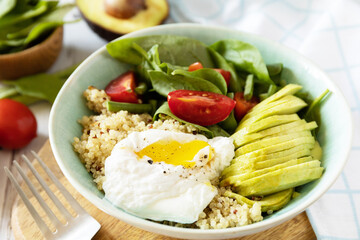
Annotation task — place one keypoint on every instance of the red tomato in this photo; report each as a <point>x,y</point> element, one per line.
<point>17,124</point>
<point>243,106</point>
<point>203,108</point>
<point>122,88</point>
<point>226,75</point>
<point>195,66</point>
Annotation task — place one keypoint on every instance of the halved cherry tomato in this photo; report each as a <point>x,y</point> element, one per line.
<point>122,88</point>
<point>242,106</point>
<point>226,74</point>
<point>195,66</point>
<point>17,124</point>
<point>203,108</point>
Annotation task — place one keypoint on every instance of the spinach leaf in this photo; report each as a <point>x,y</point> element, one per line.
<point>30,22</point>
<point>236,83</point>
<point>55,15</point>
<point>41,30</point>
<point>206,74</point>
<point>6,6</point>
<point>41,86</point>
<point>176,50</point>
<point>218,131</point>
<point>169,68</point>
<point>164,83</point>
<point>130,107</point>
<point>150,61</point>
<point>7,92</point>
<point>274,69</point>
<point>164,109</point>
<point>244,56</point>
<point>14,18</point>
<point>230,123</point>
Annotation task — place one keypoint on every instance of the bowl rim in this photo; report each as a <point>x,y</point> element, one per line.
<point>187,232</point>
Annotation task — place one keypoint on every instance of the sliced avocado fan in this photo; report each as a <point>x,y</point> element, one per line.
<point>275,152</point>
<point>271,202</point>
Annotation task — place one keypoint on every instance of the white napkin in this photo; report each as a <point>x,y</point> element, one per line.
<point>327,32</point>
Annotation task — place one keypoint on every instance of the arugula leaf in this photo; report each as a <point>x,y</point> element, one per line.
<point>176,50</point>
<point>244,56</point>
<point>164,109</point>
<point>206,74</point>
<point>164,83</point>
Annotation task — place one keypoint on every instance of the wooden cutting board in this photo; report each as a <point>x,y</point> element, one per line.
<point>24,226</point>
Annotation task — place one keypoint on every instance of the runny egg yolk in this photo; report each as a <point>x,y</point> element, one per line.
<point>175,153</point>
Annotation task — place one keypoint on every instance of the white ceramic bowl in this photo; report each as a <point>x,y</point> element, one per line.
<point>335,133</point>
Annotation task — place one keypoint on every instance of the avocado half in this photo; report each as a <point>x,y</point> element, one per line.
<point>110,27</point>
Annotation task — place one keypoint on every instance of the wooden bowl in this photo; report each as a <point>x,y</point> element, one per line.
<point>36,59</point>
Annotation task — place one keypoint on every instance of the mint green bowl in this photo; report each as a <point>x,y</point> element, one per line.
<point>335,134</point>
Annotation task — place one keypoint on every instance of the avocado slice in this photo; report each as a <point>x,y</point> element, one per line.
<point>294,126</point>
<point>285,99</point>
<point>279,147</point>
<point>281,179</point>
<point>264,142</point>
<point>265,123</point>
<point>262,162</point>
<point>271,202</point>
<point>291,153</point>
<point>109,26</point>
<point>235,178</point>
<point>272,162</point>
<point>289,89</point>
<point>316,152</point>
<point>287,107</point>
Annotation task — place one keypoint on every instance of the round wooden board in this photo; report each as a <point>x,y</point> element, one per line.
<point>24,226</point>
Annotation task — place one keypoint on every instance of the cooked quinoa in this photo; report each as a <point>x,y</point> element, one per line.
<point>103,131</point>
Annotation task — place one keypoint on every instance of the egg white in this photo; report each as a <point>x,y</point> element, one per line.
<point>160,191</point>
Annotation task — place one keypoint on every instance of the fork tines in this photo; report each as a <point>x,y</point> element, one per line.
<point>82,215</point>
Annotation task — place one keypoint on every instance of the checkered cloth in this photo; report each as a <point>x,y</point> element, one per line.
<point>327,32</point>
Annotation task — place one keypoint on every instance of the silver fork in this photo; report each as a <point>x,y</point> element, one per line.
<point>82,226</point>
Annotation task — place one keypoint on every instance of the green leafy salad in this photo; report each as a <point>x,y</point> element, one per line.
<point>226,89</point>
<point>25,23</point>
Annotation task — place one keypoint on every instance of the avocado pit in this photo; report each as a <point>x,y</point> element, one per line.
<point>113,18</point>
<point>124,8</point>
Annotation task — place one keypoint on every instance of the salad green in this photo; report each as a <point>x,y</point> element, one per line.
<point>161,64</point>
<point>24,23</point>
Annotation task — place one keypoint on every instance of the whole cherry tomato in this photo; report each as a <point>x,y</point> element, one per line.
<point>17,124</point>
<point>195,66</point>
<point>242,106</point>
<point>122,88</point>
<point>226,74</point>
<point>202,108</point>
